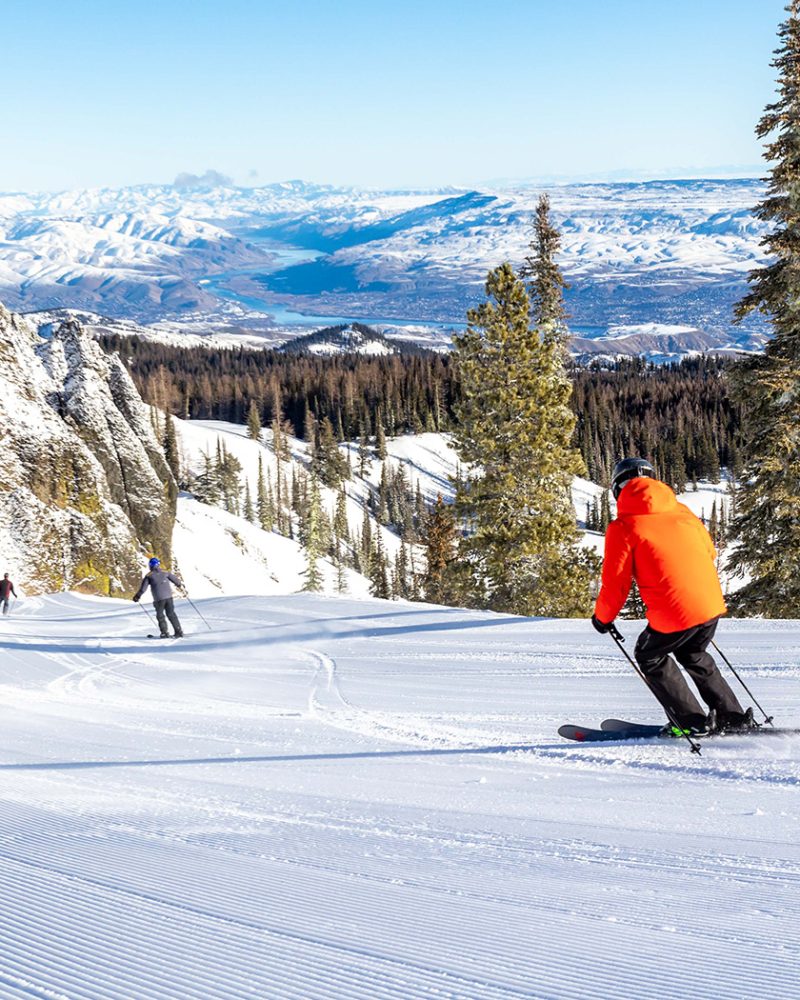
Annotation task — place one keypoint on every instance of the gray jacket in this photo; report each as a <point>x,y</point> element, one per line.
<point>158,580</point>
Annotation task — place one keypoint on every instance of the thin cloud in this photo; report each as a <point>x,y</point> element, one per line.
<point>211,178</point>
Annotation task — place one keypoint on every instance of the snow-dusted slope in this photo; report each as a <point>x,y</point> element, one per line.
<point>335,799</point>
<point>221,553</point>
<point>234,557</point>
<point>237,558</point>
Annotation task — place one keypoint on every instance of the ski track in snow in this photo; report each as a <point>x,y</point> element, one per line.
<point>330,798</point>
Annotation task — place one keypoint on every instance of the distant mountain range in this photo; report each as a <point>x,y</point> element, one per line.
<point>654,268</point>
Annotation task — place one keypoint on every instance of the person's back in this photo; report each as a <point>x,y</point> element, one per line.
<point>6,590</point>
<point>159,580</point>
<point>671,558</point>
<point>662,545</point>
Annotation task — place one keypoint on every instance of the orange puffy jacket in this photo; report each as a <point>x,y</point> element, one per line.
<point>662,545</point>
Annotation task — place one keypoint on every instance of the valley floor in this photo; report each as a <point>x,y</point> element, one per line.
<point>355,799</point>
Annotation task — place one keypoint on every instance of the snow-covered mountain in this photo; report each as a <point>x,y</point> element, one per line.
<point>84,485</point>
<point>653,267</point>
<point>351,338</point>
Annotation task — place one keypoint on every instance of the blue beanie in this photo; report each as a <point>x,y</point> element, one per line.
<point>155,562</point>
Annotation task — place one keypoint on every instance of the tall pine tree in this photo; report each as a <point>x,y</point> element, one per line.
<point>766,526</point>
<point>545,281</point>
<point>513,431</point>
<point>254,422</point>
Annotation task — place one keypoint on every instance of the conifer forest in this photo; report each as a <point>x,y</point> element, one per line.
<point>682,415</point>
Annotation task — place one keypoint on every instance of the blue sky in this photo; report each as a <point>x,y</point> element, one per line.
<point>380,94</point>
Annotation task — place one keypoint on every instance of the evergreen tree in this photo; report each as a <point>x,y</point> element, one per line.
<point>380,437</point>
<point>330,462</point>
<point>280,445</point>
<point>229,470</point>
<point>253,422</point>
<point>766,525</point>
<point>383,496</point>
<point>341,575</point>
<point>513,431</point>
<point>378,573</point>
<point>713,524</point>
<point>313,540</point>
<point>440,544</point>
<point>341,529</point>
<point>170,441</point>
<point>544,278</point>
<point>605,511</point>
<point>364,459</point>
<point>634,606</point>
<point>206,484</point>
<point>365,546</point>
<point>265,506</point>
<point>247,511</point>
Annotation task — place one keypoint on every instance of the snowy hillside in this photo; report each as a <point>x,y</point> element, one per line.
<point>237,557</point>
<point>654,267</point>
<point>328,798</point>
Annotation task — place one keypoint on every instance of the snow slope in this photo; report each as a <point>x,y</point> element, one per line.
<point>327,798</point>
<point>235,557</point>
<point>221,553</point>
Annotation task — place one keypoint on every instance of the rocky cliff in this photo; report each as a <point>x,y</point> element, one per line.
<point>85,491</point>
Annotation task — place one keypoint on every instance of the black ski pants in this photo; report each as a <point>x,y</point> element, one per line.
<point>4,602</point>
<point>166,609</point>
<point>667,683</point>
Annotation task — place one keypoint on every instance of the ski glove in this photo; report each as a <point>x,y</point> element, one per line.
<point>601,627</point>
<point>136,598</point>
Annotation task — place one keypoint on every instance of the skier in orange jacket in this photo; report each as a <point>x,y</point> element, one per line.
<point>666,549</point>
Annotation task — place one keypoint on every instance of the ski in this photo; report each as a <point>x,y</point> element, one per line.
<point>621,726</point>
<point>586,734</point>
<point>637,731</point>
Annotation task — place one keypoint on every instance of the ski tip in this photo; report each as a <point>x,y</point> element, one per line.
<point>573,733</point>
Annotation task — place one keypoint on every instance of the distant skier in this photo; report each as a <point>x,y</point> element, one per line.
<point>662,545</point>
<point>158,580</point>
<point>6,590</point>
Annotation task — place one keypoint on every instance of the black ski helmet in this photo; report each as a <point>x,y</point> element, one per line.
<point>629,468</point>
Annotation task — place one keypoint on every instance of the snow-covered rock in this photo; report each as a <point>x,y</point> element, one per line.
<point>83,483</point>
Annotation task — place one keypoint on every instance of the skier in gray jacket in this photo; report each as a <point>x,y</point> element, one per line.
<point>158,580</point>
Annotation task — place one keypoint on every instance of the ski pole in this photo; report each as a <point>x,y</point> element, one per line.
<point>210,629</point>
<point>149,616</point>
<point>618,638</point>
<point>767,718</point>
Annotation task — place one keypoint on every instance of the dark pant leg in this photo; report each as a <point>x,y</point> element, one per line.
<point>5,606</point>
<point>664,678</point>
<point>698,663</point>
<point>162,620</point>
<point>170,609</point>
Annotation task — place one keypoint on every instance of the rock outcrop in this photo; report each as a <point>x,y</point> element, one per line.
<point>85,490</point>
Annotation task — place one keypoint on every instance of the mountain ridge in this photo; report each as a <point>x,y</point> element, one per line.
<point>280,258</point>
